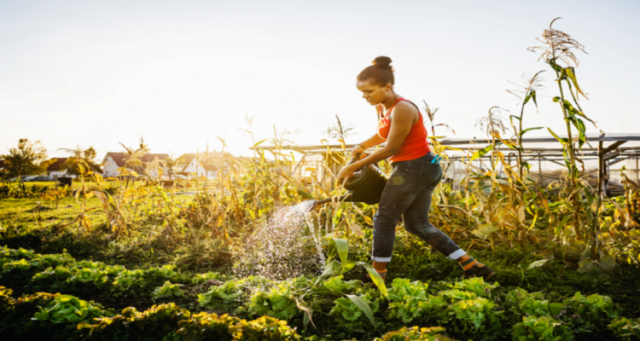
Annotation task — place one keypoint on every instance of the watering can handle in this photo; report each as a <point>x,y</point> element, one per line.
<point>354,159</point>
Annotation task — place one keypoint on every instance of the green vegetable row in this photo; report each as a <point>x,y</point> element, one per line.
<point>469,307</point>
<point>60,272</point>
<point>65,317</point>
<point>337,307</point>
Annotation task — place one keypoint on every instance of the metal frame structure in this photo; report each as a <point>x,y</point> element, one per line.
<point>608,150</point>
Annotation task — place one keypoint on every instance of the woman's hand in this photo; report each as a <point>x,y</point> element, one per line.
<point>357,150</point>
<point>346,172</point>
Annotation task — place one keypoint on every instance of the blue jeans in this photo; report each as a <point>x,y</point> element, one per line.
<point>408,194</point>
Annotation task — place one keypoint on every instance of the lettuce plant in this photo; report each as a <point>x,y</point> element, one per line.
<point>415,334</point>
<point>278,302</point>
<point>544,328</point>
<point>229,292</point>
<point>167,290</point>
<point>348,312</point>
<point>68,309</point>
<point>626,329</point>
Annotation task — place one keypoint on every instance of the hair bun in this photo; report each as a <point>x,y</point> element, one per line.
<point>383,62</point>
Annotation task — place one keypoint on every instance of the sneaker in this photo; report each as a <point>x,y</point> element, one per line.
<point>479,270</point>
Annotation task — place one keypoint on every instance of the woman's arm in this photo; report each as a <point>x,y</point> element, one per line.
<point>372,141</point>
<point>403,119</point>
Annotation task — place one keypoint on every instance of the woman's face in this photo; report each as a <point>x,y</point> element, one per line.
<point>373,93</point>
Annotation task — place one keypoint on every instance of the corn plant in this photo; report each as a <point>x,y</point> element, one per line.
<point>528,91</point>
<point>558,52</point>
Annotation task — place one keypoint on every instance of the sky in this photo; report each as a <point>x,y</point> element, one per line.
<point>182,73</point>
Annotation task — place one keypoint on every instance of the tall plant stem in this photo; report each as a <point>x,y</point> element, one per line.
<point>572,181</point>
<point>520,170</point>
<point>572,156</point>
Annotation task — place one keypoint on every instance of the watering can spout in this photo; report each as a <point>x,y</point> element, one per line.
<point>321,202</point>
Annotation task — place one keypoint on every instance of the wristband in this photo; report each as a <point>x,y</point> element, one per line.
<point>361,145</point>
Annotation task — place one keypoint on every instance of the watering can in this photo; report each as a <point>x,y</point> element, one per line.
<point>365,185</point>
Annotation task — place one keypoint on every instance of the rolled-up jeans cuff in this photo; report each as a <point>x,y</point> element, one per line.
<point>457,254</point>
<point>382,259</point>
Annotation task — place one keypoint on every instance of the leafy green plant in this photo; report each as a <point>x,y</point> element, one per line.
<point>207,326</point>
<point>591,313</point>
<point>477,285</point>
<point>201,278</point>
<point>352,309</point>
<point>415,334</point>
<point>280,300</point>
<point>229,292</point>
<point>468,312</point>
<point>626,329</point>
<point>68,309</point>
<point>522,303</point>
<point>473,316</point>
<point>408,301</point>
<point>544,328</point>
<point>264,328</point>
<point>337,286</point>
<point>167,290</point>
<point>128,282</point>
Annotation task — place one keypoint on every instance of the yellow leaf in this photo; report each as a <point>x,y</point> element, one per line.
<point>521,214</point>
<point>368,220</point>
<point>533,238</point>
<point>484,231</point>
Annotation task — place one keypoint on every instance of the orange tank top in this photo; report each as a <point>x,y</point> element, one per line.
<point>415,145</point>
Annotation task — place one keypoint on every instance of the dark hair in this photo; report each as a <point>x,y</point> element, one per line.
<point>381,72</point>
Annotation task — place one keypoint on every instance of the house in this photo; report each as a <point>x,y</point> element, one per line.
<point>55,169</point>
<point>112,162</point>
<point>202,164</point>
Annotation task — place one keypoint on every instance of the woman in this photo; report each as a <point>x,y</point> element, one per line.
<point>416,172</point>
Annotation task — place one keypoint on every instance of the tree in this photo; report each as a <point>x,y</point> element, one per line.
<point>85,157</point>
<point>4,174</point>
<point>29,158</point>
<point>173,166</point>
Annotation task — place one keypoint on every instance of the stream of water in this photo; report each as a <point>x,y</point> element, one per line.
<point>282,248</point>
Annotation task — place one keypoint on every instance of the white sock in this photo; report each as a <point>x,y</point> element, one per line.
<point>457,254</point>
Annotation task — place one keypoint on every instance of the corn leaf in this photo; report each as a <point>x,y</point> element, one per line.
<point>563,141</point>
<point>342,247</point>
<point>259,143</point>
<point>482,152</point>
<point>376,278</point>
<point>360,303</point>
<point>529,129</point>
